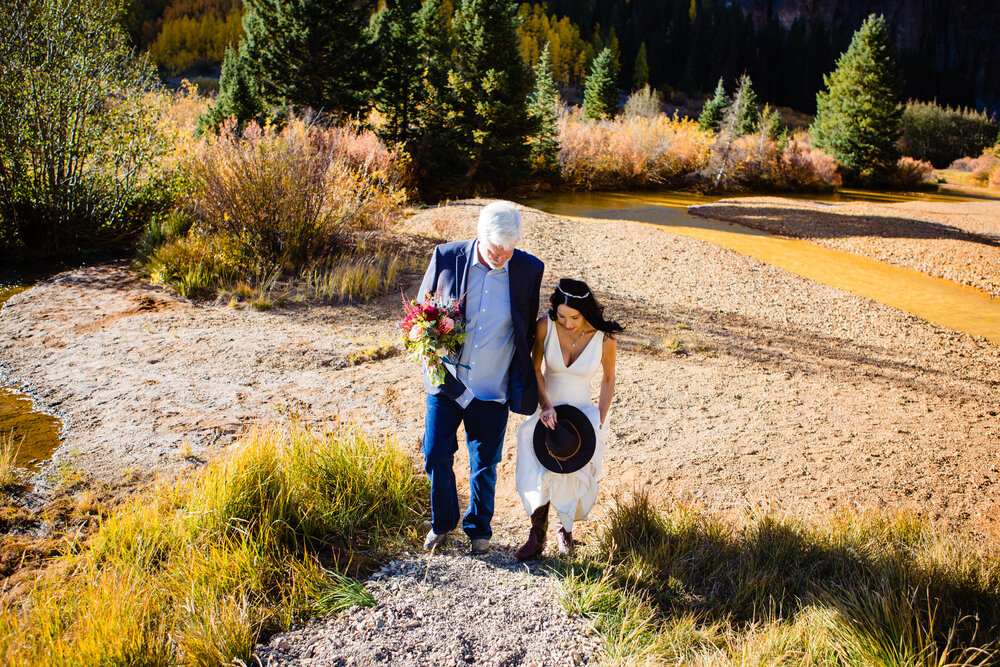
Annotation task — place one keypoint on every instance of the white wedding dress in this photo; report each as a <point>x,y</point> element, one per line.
<point>572,496</point>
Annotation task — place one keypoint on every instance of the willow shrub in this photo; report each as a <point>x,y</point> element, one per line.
<point>940,135</point>
<point>631,152</point>
<point>638,151</point>
<point>984,169</point>
<point>679,586</point>
<point>266,200</point>
<point>759,162</point>
<point>197,573</point>
<point>78,139</point>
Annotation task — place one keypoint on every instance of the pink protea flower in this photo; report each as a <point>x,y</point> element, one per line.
<point>446,324</point>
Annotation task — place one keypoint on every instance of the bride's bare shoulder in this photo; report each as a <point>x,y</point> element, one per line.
<point>542,325</point>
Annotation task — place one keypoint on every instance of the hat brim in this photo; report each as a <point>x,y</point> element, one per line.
<point>588,441</point>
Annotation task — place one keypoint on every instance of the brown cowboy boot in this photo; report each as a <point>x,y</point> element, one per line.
<point>532,548</point>
<point>565,541</point>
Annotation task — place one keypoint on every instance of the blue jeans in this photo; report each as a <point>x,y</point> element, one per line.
<point>485,424</point>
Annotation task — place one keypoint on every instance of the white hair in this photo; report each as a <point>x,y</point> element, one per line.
<point>500,224</point>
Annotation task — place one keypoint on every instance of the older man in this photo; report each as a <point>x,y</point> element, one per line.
<point>499,288</point>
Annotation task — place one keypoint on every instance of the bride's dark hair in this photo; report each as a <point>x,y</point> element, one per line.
<point>576,295</point>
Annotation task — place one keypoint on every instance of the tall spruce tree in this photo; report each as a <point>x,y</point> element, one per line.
<point>543,106</point>
<point>311,53</point>
<point>858,115</point>
<point>239,95</point>
<point>476,126</point>
<point>714,109</point>
<point>640,71</point>
<point>436,43</point>
<point>745,104</point>
<point>397,43</point>
<point>600,94</point>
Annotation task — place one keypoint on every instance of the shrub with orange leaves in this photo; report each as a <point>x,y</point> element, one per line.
<point>289,196</point>
<point>911,173</point>
<point>633,152</point>
<point>807,167</point>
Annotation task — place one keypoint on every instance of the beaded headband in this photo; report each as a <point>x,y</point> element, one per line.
<point>573,296</point>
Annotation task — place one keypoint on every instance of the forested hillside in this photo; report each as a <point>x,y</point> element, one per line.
<point>184,36</point>
<point>946,50</point>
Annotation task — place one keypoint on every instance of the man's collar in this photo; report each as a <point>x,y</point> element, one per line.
<point>475,258</point>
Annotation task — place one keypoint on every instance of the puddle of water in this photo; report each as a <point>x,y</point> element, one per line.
<point>7,291</point>
<point>36,433</point>
<point>936,300</point>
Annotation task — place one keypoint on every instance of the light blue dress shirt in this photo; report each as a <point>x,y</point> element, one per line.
<point>489,344</point>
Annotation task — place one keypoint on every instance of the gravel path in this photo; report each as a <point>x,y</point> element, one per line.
<point>449,608</point>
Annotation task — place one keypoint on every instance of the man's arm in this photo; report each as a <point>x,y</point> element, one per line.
<point>430,275</point>
<point>533,304</point>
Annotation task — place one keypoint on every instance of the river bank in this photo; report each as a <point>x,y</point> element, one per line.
<point>739,384</point>
<point>950,240</point>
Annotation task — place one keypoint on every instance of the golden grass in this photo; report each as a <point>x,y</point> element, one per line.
<point>680,587</point>
<point>195,573</point>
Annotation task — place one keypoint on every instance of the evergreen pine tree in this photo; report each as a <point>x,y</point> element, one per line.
<point>543,106</point>
<point>725,154</point>
<point>436,43</point>
<point>311,53</point>
<point>640,72</point>
<point>770,124</point>
<point>714,109</point>
<point>397,42</point>
<point>600,95</point>
<point>476,124</point>
<point>239,95</point>
<point>858,115</point>
<point>745,104</point>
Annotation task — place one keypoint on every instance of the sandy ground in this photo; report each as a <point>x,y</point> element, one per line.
<point>739,385</point>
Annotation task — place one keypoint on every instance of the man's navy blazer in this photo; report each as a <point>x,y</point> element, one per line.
<point>447,275</point>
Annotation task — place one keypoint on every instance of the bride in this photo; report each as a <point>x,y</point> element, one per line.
<point>561,446</point>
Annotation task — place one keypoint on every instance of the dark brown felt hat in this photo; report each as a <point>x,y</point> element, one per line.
<point>570,445</point>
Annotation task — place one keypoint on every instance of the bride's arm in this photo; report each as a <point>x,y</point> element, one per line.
<point>608,379</point>
<point>548,416</point>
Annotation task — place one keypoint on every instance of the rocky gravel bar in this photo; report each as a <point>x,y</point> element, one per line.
<point>446,608</point>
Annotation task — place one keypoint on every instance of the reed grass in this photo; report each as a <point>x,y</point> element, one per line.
<point>679,586</point>
<point>197,572</point>
<point>354,278</point>
<point>10,447</point>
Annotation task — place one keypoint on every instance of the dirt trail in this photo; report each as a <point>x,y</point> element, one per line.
<point>739,384</point>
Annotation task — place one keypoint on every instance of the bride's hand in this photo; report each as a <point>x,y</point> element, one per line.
<point>548,417</point>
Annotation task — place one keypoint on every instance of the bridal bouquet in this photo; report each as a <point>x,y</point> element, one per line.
<point>432,331</point>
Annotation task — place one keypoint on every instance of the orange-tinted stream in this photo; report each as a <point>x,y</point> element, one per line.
<point>937,300</point>
<point>35,434</point>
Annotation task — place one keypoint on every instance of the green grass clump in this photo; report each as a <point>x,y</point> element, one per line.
<point>682,587</point>
<point>195,573</point>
